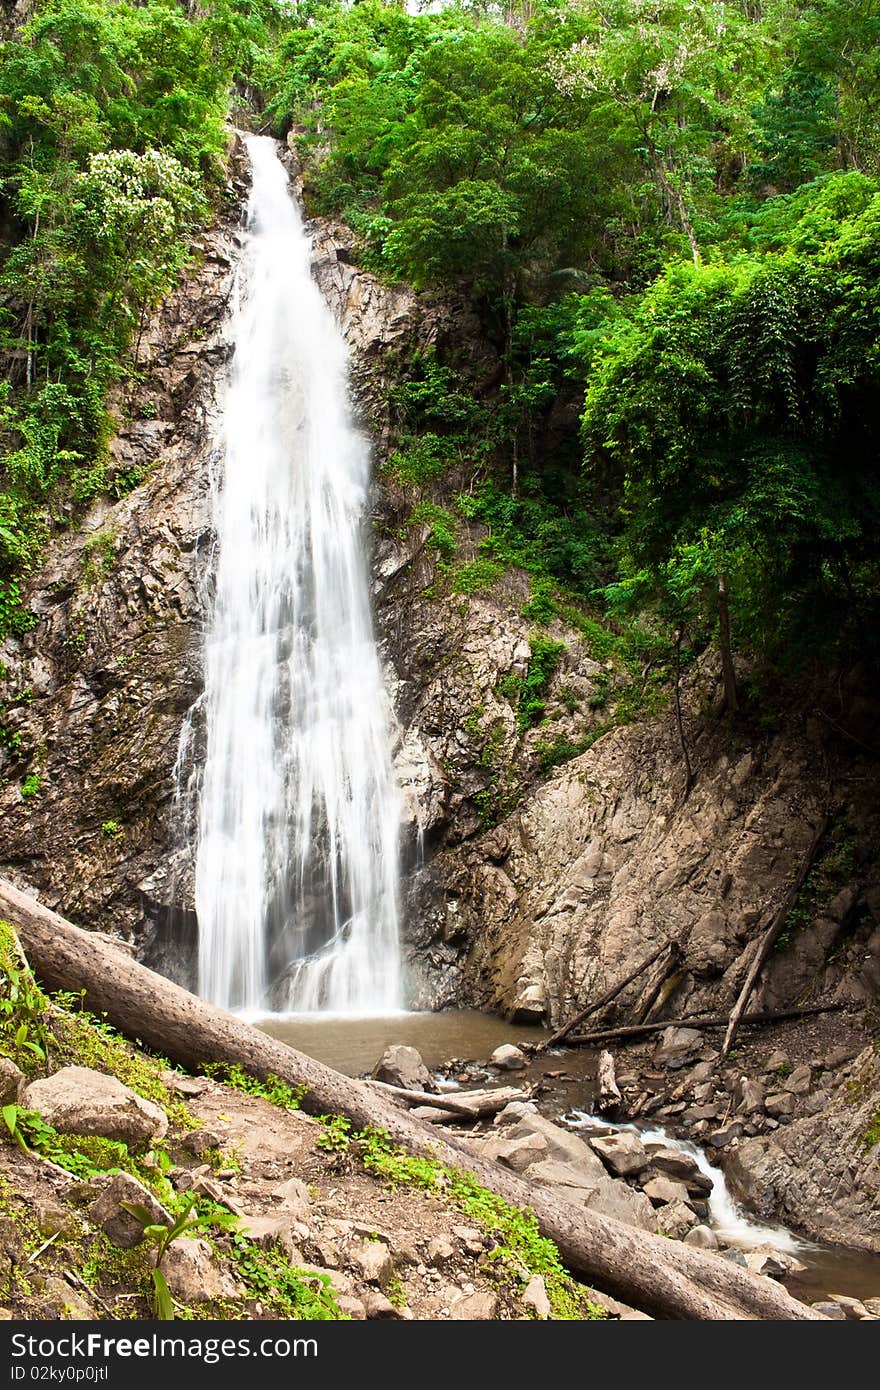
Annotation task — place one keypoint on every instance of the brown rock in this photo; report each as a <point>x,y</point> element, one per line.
<point>118,1225</point>
<point>78,1100</point>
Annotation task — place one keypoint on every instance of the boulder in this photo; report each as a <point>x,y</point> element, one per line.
<point>515,1111</point>
<point>402,1066</point>
<point>735,1257</point>
<point>12,1082</point>
<point>534,1296</point>
<point>673,1162</point>
<point>440,1250</point>
<point>481,1306</point>
<point>814,1103</point>
<point>677,1047</point>
<point>661,1190</point>
<point>293,1196</point>
<point>119,1225</point>
<point>779,1104</point>
<point>622,1153</point>
<point>507,1057</point>
<point>800,1081</point>
<point>193,1274</point>
<point>676,1219</point>
<point>267,1231</point>
<point>371,1260</point>
<point>830,1310</point>
<point>750,1095</point>
<point>776,1060</point>
<point>519,1154</point>
<point>352,1307</point>
<point>720,1138</point>
<point>852,1307</point>
<point>78,1100</point>
<point>562,1144</point>
<point>703,1237</point>
<point>767,1262</point>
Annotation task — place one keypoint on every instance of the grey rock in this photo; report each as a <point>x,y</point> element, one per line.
<point>475,1307</point>
<point>352,1307</point>
<point>267,1231</point>
<point>622,1153</point>
<point>750,1096</point>
<point>703,1237</point>
<point>193,1275</point>
<point>720,1138</point>
<point>519,1154</point>
<point>800,1081</point>
<point>402,1066</point>
<point>507,1057</point>
<point>514,1111</point>
<point>440,1250</point>
<point>661,1190</point>
<point>777,1059</point>
<point>735,1257</point>
<point>677,1047</point>
<point>118,1225</point>
<point>676,1219</point>
<point>815,1102</point>
<point>371,1260</point>
<point>780,1103</point>
<point>12,1082</point>
<point>830,1310</point>
<point>673,1162</point>
<point>695,1113</point>
<point>768,1263</point>
<point>376,1305</point>
<point>534,1296</point>
<point>852,1307</point>
<point>78,1100</point>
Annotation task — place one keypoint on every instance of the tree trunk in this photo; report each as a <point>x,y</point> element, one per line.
<point>660,1276</point>
<point>609,1091</point>
<point>731,698</point>
<point>679,719</point>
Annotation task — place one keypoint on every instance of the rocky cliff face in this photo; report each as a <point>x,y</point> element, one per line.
<point>527,892</point>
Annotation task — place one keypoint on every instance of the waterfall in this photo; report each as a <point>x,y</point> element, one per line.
<point>297,853</point>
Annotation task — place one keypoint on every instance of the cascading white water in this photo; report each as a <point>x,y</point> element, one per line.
<point>297,859</point>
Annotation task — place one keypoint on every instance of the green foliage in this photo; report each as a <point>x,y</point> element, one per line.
<point>441,528</point>
<point>273,1089</point>
<point>474,576</point>
<point>285,1291</point>
<point>31,785</point>
<point>832,871</point>
<point>528,692</point>
<point>112,830</point>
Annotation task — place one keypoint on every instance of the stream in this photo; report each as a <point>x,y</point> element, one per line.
<point>354,1045</point>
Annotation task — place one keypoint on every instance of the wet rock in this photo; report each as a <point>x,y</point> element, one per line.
<point>703,1237</point>
<point>767,1262</point>
<point>193,1275</point>
<point>830,1310</point>
<point>780,1104</point>
<point>78,1100</point>
<point>852,1307</point>
<point>677,1047</point>
<point>119,1225</point>
<point>507,1057</point>
<point>371,1260</point>
<point>675,1219</point>
<point>534,1296</point>
<point>661,1190</point>
<point>12,1082</point>
<point>402,1066</point>
<point>475,1307</point>
<point>622,1153</point>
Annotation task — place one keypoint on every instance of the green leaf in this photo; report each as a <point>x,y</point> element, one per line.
<point>164,1301</point>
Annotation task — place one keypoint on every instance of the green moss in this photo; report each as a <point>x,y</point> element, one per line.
<point>474,576</point>
<point>284,1291</point>
<point>871,1135</point>
<point>273,1089</point>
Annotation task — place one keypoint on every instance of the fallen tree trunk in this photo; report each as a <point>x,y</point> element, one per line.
<point>470,1105</point>
<point>639,1030</point>
<point>609,1092</point>
<point>660,1276</point>
<point>765,945</point>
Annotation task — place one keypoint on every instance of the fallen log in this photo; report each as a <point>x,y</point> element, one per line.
<point>765,944</point>
<point>472,1105</point>
<point>639,1030</point>
<point>604,999</point>
<point>660,1276</point>
<point>609,1097</point>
